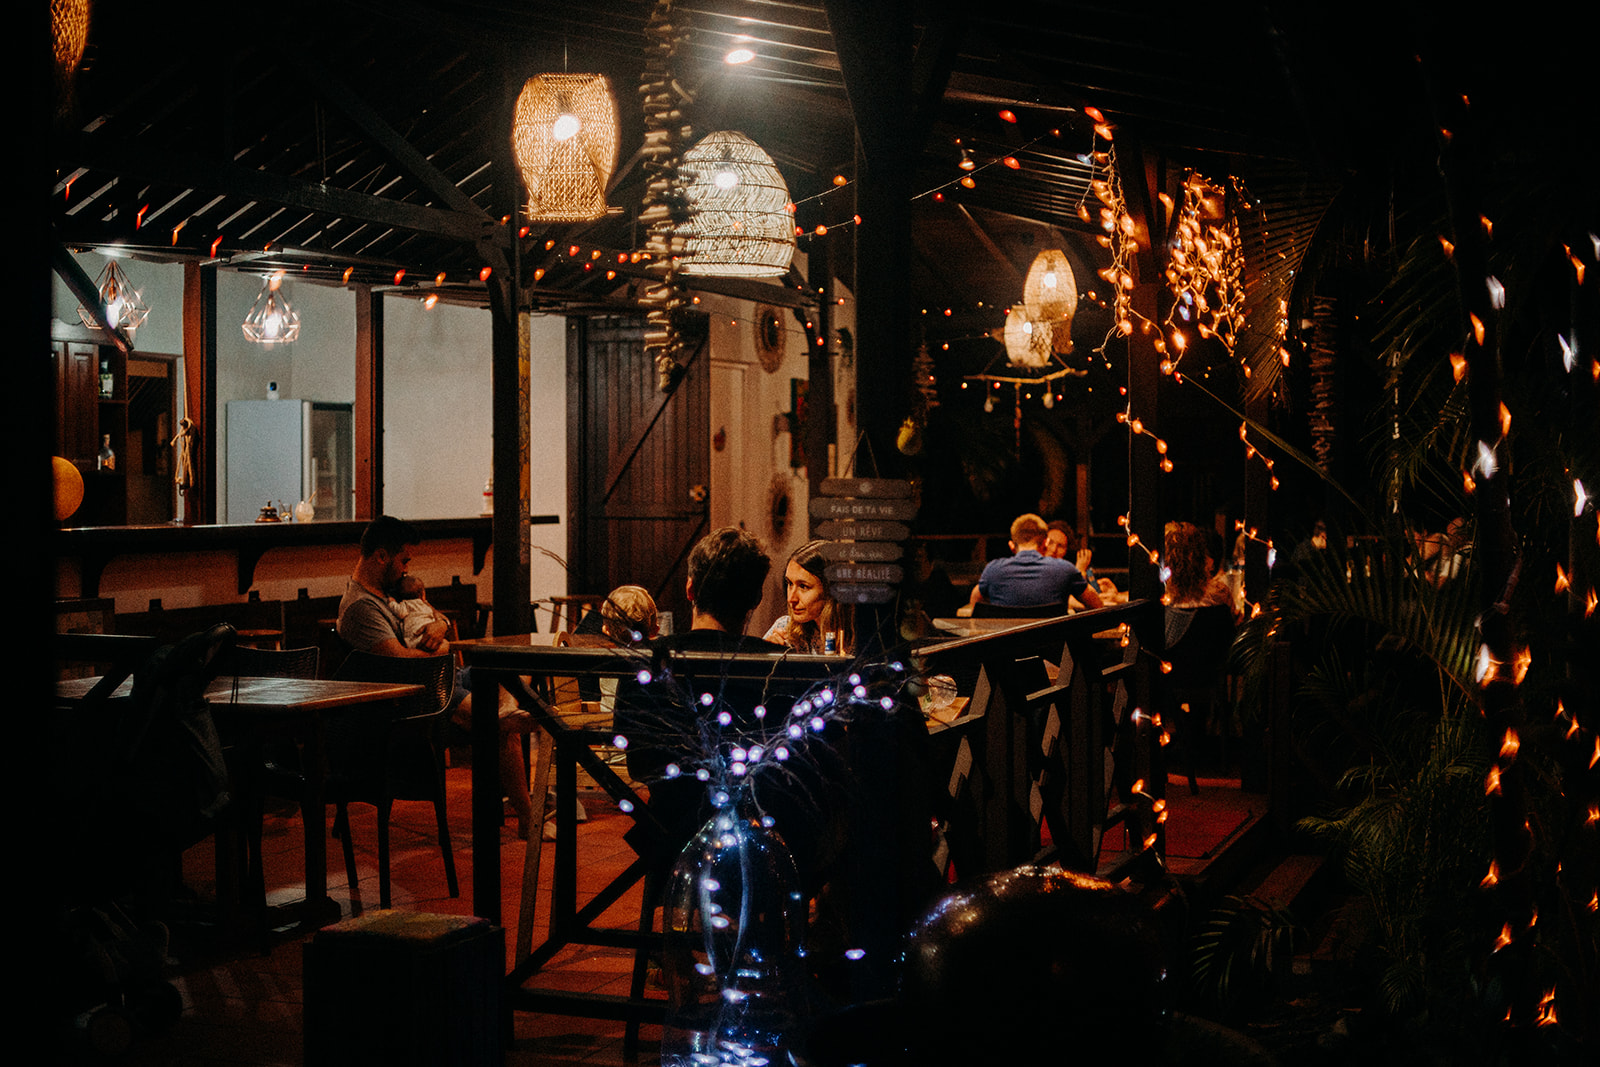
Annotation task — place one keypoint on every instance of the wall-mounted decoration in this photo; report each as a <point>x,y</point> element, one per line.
<point>769,337</point>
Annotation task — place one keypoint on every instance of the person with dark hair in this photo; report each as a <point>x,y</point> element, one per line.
<point>814,616</point>
<point>1028,578</point>
<point>1190,582</point>
<point>666,722</point>
<point>366,621</point>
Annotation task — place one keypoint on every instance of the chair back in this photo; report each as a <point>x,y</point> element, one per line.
<point>1197,643</point>
<point>436,675</point>
<point>983,610</point>
<point>249,662</point>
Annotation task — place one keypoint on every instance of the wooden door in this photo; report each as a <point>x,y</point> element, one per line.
<point>641,462</point>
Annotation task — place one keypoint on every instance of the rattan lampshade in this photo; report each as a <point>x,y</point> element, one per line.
<point>1050,294</point>
<point>1028,340</point>
<point>742,226</point>
<point>564,136</point>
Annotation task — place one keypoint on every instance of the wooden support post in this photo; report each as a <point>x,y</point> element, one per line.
<point>369,403</point>
<point>200,387</point>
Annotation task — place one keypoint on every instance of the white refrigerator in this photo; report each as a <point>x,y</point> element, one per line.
<point>284,451</point>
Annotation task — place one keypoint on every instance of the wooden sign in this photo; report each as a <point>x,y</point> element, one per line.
<point>881,488</point>
<point>854,530</point>
<point>863,572</point>
<point>899,510</point>
<point>861,592</point>
<point>861,551</point>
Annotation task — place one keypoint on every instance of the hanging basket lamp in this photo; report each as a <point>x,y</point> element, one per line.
<point>271,321</point>
<point>1028,340</point>
<point>1050,294</point>
<point>742,226</point>
<point>564,136</point>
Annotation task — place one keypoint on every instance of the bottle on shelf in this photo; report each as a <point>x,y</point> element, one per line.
<point>107,381</point>
<point>107,460</point>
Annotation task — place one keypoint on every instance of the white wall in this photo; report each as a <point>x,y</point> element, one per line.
<point>753,467</point>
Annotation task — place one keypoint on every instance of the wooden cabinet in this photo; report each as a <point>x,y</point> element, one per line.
<point>92,408</point>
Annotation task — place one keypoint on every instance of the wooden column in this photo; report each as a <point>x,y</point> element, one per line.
<point>200,387</point>
<point>369,403</point>
<point>509,340</point>
<point>821,418</point>
<point>1143,177</point>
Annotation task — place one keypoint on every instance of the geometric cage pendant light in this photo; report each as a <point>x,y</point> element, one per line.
<point>564,136</point>
<point>741,225</point>
<point>122,305</point>
<point>270,320</point>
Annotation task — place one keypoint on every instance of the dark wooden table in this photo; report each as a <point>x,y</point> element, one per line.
<point>296,707</point>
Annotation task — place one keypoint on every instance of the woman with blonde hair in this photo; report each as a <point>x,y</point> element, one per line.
<point>814,616</point>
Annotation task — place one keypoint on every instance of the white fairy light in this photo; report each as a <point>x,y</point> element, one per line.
<point>1569,358</point>
<point>619,741</point>
<point>1486,464</point>
<point>1497,293</point>
<point>1579,498</point>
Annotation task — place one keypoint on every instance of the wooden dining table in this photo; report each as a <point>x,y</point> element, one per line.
<point>296,708</point>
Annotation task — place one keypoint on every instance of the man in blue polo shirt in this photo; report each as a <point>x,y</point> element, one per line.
<point>1028,578</point>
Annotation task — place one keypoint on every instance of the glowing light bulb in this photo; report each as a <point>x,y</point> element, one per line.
<point>738,56</point>
<point>566,126</point>
<point>725,179</point>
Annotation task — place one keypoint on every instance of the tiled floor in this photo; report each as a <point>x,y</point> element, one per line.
<point>243,1005</point>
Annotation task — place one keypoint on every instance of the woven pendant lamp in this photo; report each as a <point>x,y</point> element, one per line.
<point>1050,294</point>
<point>1027,339</point>
<point>742,226</point>
<point>564,136</point>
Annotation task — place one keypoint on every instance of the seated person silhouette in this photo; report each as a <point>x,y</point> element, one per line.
<point>683,725</point>
<point>1029,578</point>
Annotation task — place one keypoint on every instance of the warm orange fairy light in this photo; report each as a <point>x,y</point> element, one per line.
<point>1138,785</point>
<point>1488,227</point>
<point>1166,668</point>
<point>524,231</point>
<point>573,250</point>
<point>1491,786</point>
<point>1505,419</point>
<point>1594,757</point>
<point>1547,1008</point>
<point>1150,842</point>
<point>1562,583</point>
<point>1449,249</point>
<point>1477,328</point>
<point>483,275</point>
<point>1012,162</point>
<point>178,229</point>
<point>430,300</point>
<point>1577,264</point>
<point>347,272</point>
<point>1493,877</point>
<point>968,183</point>
<point>1467,482</point>
<point>1520,665</point>
<point>399,274</point>
<point>138,220</point>
<point>1102,130</point>
<point>1572,731</point>
<point>1504,939</point>
<point>1007,115</point>
<point>214,246</point>
<point>1510,744</point>
<point>840,179</point>
<point>1458,365</point>
<point>1094,113</point>
<point>1594,815</point>
<point>438,279</point>
<point>538,273</point>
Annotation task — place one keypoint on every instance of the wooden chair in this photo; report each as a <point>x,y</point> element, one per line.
<point>1197,642</point>
<point>404,761</point>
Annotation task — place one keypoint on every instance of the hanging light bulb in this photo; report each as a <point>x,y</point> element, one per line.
<point>566,125</point>
<point>967,162</point>
<point>988,404</point>
<point>271,320</point>
<point>1049,397</point>
<point>123,305</point>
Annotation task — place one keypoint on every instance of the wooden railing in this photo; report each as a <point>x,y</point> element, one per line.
<point>1059,743</point>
